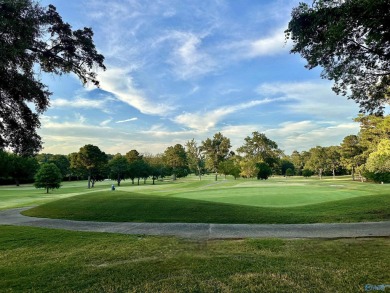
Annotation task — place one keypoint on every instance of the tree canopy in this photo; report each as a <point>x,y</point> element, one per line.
<point>350,40</point>
<point>33,37</point>
<point>48,176</point>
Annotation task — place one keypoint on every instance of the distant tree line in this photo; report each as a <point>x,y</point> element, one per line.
<point>365,156</point>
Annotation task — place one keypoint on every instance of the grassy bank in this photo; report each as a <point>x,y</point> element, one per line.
<point>44,260</point>
<point>278,200</point>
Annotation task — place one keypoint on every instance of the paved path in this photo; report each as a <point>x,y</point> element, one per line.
<point>205,231</point>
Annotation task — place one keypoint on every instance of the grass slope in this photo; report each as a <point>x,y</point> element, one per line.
<point>44,260</point>
<point>127,206</point>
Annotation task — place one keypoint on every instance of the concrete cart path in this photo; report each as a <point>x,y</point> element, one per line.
<point>205,231</point>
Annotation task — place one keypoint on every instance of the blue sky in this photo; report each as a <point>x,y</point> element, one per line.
<point>180,69</point>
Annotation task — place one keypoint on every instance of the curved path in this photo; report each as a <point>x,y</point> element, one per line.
<point>206,231</point>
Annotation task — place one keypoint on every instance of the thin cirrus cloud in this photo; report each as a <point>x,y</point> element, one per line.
<point>203,121</point>
<point>127,120</point>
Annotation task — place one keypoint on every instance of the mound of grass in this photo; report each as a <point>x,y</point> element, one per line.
<point>135,207</point>
<point>44,260</point>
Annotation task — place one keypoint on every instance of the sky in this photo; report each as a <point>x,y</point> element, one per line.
<point>179,70</point>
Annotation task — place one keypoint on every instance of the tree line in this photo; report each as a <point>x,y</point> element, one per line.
<point>365,156</point>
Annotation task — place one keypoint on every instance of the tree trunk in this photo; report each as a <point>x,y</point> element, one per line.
<point>200,175</point>
<point>216,176</point>
<point>138,180</point>
<point>353,173</point>
<point>334,173</point>
<point>89,180</point>
<point>119,180</point>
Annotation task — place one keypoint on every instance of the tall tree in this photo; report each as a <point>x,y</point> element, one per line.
<point>333,157</point>
<point>195,157</point>
<point>318,160</point>
<point>378,163</point>
<point>350,40</point>
<point>22,168</point>
<point>118,166</point>
<point>297,159</point>
<point>92,159</point>
<point>373,129</point>
<point>216,150</point>
<point>176,158</point>
<point>34,37</point>
<point>259,148</point>
<point>351,151</point>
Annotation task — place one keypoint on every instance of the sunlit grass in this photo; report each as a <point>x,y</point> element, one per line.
<point>231,201</point>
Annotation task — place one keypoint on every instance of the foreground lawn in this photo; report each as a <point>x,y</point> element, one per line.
<point>44,260</point>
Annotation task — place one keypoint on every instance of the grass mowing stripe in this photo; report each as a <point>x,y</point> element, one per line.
<point>45,260</point>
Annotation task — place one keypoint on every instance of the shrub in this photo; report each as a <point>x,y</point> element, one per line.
<point>289,172</point>
<point>264,171</point>
<point>307,173</point>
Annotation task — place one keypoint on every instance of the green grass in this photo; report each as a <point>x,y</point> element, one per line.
<point>44,260</point>
<point>242,201</point>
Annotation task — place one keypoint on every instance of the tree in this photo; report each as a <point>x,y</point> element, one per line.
<point>260,148</point>
<point>176,158</point>
<point>285,164</point>
<point>351,40</point>
<point>289,172</point>
<point>248,168</point>
<point>91,159</point>
<point>297,159</point>
<point>195,157</point>
<point>216,150</point>
<point>378,163</point>
<point>4,163</point>
<point>34,38</point>
<point>264,171</point>
<point>317,161</point>
<point>133,155</point>
<point>372,130</point>
<point>333,158</point>
<point>118,166</point>
<point>307,173</point>
<point>351,153</point>
<point>49,176</point>
<point>22,168</point>
<point>62,162</point>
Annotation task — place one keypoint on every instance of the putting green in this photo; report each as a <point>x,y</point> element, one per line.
<point>275,195</point>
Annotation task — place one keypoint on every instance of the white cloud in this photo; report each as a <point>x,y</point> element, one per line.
<point>187,57</point>
<point>127,120</point>
<point>119,82</point>
<point>105,122</point>
<point>315,99</point>
<point>79,102</point>
<point>303,135</point>
<point>270,45</point>
<point>203,121</point>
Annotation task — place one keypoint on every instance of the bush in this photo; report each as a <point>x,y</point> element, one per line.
<point>289,172</point>
<point>264,171</point>
<point>378,177</point>
<point>307,173</point>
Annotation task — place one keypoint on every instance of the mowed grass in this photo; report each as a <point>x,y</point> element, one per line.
<point>45,260</point>
<point>228,201</point>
